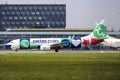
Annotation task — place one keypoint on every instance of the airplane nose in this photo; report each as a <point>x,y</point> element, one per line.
<point>8,46</point>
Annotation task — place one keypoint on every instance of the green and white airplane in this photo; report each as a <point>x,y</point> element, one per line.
<point>97,36</point>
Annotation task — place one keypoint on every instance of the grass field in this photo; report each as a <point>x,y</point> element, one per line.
<point>60,66</point>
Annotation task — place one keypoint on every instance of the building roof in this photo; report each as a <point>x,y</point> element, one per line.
<point>52,33</point>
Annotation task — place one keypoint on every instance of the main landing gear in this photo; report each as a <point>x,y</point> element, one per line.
<point>16,50</point>
<point>56,50</point>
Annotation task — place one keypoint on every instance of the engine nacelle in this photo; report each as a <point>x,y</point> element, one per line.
<point>45,47</point>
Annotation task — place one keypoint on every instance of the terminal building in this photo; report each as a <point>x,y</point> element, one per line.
<point>32,16</point>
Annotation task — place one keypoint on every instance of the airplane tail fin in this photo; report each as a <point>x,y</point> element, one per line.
<point>99,31</point>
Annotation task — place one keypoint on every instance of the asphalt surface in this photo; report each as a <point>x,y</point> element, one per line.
<point>52,51</point>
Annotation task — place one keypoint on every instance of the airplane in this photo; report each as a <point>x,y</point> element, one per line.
<point>97,36</point>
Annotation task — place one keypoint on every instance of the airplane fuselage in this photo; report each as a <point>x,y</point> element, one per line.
<point>48,43</point>
<point>96,37</point>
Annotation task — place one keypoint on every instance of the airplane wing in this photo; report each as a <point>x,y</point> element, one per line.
<point>59,44</point>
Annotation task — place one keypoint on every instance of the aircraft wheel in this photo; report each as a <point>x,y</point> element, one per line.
<point>16,50</point>
<point>56,50</point>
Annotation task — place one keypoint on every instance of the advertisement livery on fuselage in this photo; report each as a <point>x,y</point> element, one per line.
<point>96,37</point>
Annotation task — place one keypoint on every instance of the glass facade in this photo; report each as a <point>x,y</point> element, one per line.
<point>32,16</point>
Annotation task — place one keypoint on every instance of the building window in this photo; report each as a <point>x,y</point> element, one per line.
<point>15,8</point>
<point>20,17</point>
<point>23,22</point>
<point>25,8</point>
<point>18,13</point>
<point>27,23</point>
<point>30,8</point>
<point>48,22</point>
<point>47,13</point>
<point>55,8</point>
<point>33,13</point>
<point>57,23</point>
<point>42,12</point>
<point>13,13</point>
<point>57,13</point>
<point>3,22</point>
<point>8,13</point>
<point>32,23</point>
<point>44,18</point>
<point>8,22</point>
<point>35,8</point>
<point>37,12</point>
<point>35,17</point>
<point>62,23</point>
<point>28,13</point>
<point>60,8</point>
<point>30,17</point>
<point>62,13</point>
<point>10,7</point>
<point>13,23</point>
<point>23,13</point>
<point>5,8</point>
<point>37,22</point>
<point>10,18</point>
<point>5,17</point>
<point>45,8</point>
<point>20,8</point>
<point>3,13</point>
<point>15,18</point>
<point>53,23</point>
<point>40,18</point>
<point>40,8</point>
<point>52,13</point>
<point>50,8</point>
<point>42,22</point>
<point>24,17</point>
<point>17,22</point>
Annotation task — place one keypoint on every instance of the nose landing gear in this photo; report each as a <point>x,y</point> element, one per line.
<point>56,50</point>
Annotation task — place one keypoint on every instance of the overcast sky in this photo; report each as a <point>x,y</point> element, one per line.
<point>83,13</point>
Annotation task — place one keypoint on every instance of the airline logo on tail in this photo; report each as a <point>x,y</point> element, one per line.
<point>100,31</point>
